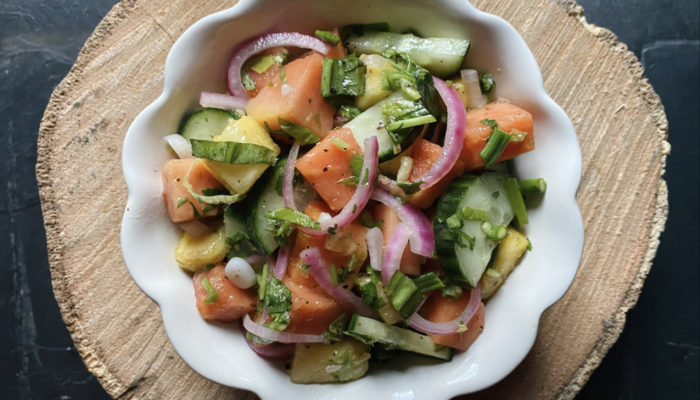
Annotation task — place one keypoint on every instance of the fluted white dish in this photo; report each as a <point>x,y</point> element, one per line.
<point>198,61</point>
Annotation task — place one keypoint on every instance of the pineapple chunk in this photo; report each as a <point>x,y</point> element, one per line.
<point>458,86</point>
<point>323,363</point>
<point>239,178</point>
<point>508,256</point>
<point>373,81</point>
<point>194,253</point>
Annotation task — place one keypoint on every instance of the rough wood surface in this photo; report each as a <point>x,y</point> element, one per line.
<point>118,331</point>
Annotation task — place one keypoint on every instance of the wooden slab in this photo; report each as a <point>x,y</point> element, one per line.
<point>118,331</point>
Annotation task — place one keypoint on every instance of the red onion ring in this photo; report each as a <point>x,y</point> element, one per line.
<point>312,256</point>
<point>260,43</point>
<point>277,336</point>
<point>224,101</point>
<point>394,251</point>
<point>422,239</point>
<point>454,135</point>
<point>281,263</point>
<point>375,247</point>
<point>288,178</point>
<point>180,145</point>
<point>274,350</point>
<point>445,328</point>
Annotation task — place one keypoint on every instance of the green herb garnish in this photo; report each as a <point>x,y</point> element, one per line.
<point>212,296</point>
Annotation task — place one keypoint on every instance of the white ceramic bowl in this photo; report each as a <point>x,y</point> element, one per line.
<point>198,62</point>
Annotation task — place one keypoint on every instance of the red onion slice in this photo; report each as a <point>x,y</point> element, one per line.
<point>281,263</point>
<point>277,336</point>
<point>375,247</point>
<point>264,42</point>
<point>422,239</point>
<point>180,145</point>
<point>288,178</point>
<point>224,101</point>
<point>445,328</point>
<point>274,350</point>
<point>312,256</point>
<point>454,135</point>
<point>394,251</point>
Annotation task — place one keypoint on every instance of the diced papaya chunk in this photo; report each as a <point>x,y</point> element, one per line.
<point>326,165</point>
<point>312,309</point>
<point>230,301</point>
<point>180,203</point>
<point>510,118</point>
<point>441,309</point>
<point>410,261</point>
<point>302,104</point>
<point>349,249</point>
<point>424,155</point>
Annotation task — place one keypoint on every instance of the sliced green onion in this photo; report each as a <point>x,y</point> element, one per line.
<point>494,232</point>
<point>472,214</point>
<point>340,143</point>
<point>533,186</point>
<point>212,296</point>
<point>402,290</point>
<point>233,152</point>
<point>262,283</point>
<point>517,136</point>
<point>328,37</point>
<point>428,282</point>
<point>517,204</point>
<point>495,145</point>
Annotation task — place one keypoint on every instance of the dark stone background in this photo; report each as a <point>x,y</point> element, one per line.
<point>655,357</point>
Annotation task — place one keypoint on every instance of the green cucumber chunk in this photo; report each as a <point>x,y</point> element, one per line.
<point>372,331</point>
<point>443,57</point>
<point>373,122</point>
<point>265,196</point>
<point>207,123</point>
<point>462,247</point>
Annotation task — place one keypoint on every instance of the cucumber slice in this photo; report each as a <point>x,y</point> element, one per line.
<point>463,264</point>
<point>265,196</point>
<point>207,123</point>
<point>372,122</point>
<point>441,56</point>
<point>236,232</point>
<point>372,331</point>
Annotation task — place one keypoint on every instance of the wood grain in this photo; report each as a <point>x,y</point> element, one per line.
<point>118,331</point>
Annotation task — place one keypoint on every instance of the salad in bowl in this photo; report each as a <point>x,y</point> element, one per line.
<point>351,202</point>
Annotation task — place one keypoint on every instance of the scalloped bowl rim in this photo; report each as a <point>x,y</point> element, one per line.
<point>219,353</point>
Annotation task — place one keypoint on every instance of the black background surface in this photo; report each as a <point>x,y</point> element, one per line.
<point>656,356</point>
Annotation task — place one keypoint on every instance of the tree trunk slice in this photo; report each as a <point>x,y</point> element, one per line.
<point>118,330</point>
